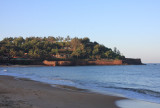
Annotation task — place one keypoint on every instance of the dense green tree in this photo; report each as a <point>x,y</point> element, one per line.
<point>96,51</point>
<point>51,39</point>
<point>12,53</point>
<point>54,51</point>
<point>75,43</point>
<point>18,41</point>
<point>67,39</point>
<point>80,52</point>
<point>85,40</point>
<point>44,48</point>
<point>109,54</point>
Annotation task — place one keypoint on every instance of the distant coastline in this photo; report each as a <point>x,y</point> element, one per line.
<point>127,61</point>
<point>60,51</point>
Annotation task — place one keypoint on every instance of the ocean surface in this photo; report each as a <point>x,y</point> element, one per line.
<point>140,82</point>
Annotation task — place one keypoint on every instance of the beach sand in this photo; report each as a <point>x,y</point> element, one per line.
<point>25,93</point>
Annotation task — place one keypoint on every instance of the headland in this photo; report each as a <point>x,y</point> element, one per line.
<point>60,51</point>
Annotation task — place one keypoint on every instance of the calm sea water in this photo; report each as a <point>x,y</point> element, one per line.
<point>134,81</point>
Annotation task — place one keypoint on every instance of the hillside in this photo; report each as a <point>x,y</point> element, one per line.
<point>56,48</point>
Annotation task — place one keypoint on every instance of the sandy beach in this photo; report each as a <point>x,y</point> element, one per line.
<point>25,93</point>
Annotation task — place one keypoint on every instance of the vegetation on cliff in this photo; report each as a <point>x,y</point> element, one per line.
<point>54,48</point>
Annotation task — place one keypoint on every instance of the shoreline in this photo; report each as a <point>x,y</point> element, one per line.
<point>18,65</point>
<point>26,93</point>
<point>22,65</point>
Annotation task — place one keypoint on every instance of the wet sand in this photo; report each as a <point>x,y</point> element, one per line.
<point>25,93</point>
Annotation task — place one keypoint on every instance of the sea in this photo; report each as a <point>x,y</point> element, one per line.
<point>140,82</point>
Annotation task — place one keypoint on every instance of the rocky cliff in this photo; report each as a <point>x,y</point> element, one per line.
<point>131,61</point>
<point>127,61</point>
<point>82,63</point>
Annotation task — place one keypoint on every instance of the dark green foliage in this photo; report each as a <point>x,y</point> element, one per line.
<point>44,48</point>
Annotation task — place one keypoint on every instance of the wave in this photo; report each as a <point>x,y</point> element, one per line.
<point>143,91</point>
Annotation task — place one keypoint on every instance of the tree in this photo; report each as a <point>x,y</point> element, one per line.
<point>118,52</point>
<point>109,54</point>
<point>75,43</point>
<point>43,48</point>
<point>18,41</point>
<point>31,53</point>
<point>95,51</point>
<point>20,53</point>
<point>67,39</point>
<point>51,39</point>
<point>88,52</point>
<point>59,39</point>
<point>115,50</point>
<point>36,54</point>
<point>12,53</point>
<point>80,52</point>
<point>54,51</point>
<point>85,40</point>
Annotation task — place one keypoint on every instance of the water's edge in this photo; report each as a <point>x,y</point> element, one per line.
<point>75,78</point>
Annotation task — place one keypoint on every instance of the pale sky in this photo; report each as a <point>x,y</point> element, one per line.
<point>133,26</point>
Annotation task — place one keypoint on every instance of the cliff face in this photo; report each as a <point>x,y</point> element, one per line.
<point>127,61</point>
<point>130,61</point>
<point>82,63</point>
<point>106,62</point>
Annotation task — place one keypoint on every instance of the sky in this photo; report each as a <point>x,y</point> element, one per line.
<point>133,26</point>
